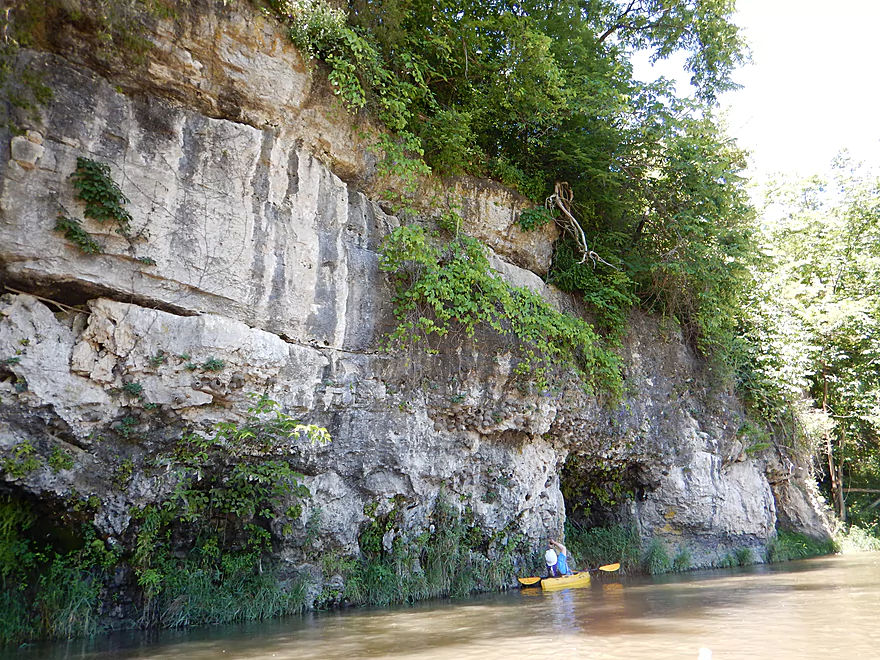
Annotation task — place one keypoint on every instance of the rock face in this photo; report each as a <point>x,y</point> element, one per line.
<point>252,266</point>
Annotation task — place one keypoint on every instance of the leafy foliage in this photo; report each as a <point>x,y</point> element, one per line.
<point>213,364</point>
<point>593,490</point>
<point>821,325</point>
<point>591,547</point>
<point>20,460</point>
<point>786,546</point>
<point>73,231</point>
<point>47,591</point>
<point>534,218</point>
<point>535,93</point>
<point>199,556</point>
<point>60,460</point>
<point>656,558</point>
<point>210,583</point>
<point>857,539</point>
<point>101,195</point>
<point>453,557</point>
<point>103,201</point>
<point>445,288</point>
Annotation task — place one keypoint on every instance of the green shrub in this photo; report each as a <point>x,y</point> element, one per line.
<point>786,546</point>
<point>608,293</point>
<point>682,561</point>
<point>449,142</point>
<point>857,539</point>
<point>739,557</point>
<point>44,591</point>
<point>211,585</point>
<point>656,559</point>
<point>441,287</point>
<point>18,623</point>
<point>60,460</point>
<point>200,557</point>
<point>452,558</point>
<point>597,546</point>
<point>68,599</point>
<point>744,556</point>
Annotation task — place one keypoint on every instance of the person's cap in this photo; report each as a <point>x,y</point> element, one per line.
<point>550,557</point>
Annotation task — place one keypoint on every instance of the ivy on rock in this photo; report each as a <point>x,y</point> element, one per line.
<point>444,287</point>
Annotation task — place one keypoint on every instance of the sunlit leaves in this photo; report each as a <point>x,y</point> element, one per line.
<point>824,237</point>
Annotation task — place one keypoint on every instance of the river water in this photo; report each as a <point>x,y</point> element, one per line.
<point>824,608</point>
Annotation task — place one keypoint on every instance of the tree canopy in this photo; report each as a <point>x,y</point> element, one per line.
<point>537,92</point>
<point>822,238</point>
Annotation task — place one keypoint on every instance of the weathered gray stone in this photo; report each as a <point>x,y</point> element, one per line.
<point>238,221</point>
<point>25,152</point>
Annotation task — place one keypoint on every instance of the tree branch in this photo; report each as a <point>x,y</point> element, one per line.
<point>617,22</point>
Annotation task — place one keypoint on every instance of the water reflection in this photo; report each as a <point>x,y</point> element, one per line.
<point>822,608</point>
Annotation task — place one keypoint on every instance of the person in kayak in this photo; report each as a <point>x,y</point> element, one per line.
<point>556,558</point>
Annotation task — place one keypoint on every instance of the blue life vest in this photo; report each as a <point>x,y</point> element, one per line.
<point>562,564</point>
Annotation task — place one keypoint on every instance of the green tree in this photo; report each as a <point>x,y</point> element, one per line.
<point>826,269</point>
<point>534,93</point>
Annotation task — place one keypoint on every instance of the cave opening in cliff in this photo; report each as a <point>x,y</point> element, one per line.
<point>43,526</point>
<point>596,491</point>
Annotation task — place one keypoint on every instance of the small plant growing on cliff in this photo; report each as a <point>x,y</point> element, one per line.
<point>123,474</point>
<point>535,218</point>
<point>103,198</point>
<point>60,460</point>
<point>158,359</point>
<point>213,364</point>
<point>133,389</point>
<point>126,426</point>
<point>21,461</point>
<point>74,232</point>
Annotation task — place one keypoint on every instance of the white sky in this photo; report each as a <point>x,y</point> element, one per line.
<point>813,88</point>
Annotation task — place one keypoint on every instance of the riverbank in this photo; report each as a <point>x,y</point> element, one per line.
<point>779,611</point>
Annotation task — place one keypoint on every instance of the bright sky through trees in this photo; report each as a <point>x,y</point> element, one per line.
<point>812,89</point>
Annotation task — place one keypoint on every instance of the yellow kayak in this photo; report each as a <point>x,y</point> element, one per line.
<point>581,579</point>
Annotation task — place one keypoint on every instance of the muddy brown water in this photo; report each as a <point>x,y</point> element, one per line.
<point>824,608</point>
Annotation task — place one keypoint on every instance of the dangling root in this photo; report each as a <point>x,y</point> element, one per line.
<point>561,199</point>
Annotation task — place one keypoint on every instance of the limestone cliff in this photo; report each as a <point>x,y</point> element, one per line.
<point>256,227</point>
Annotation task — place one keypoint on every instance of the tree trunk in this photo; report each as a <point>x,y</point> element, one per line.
<point>841,501</point>
<point>833,473</point>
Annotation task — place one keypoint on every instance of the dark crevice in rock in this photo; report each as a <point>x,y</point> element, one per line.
<point>73,295</point>
<point>76,293</point>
